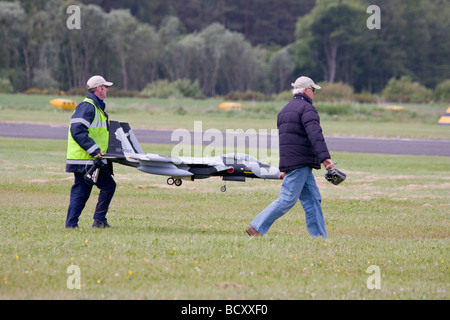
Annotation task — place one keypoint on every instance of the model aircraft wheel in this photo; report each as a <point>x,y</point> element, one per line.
<point>223,188</point>
<point>170,181</point>
<point>178,182</point>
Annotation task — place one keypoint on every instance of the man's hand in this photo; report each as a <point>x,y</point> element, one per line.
<point>282,175</point>
<point>328,164</point>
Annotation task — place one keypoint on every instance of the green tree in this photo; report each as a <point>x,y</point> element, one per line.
<point>231,63</point>
<point>227,45</point>
<point>142,56</point>
<point>442,91</point>
<point>281,68</point>
<point>86,51</point>
<point>332,32</point>
<point>12,38</point>
<point>122,24</point>
<point>406,90</point>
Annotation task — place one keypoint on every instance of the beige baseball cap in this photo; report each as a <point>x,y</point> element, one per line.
<point>97,81</point>
<point>305,82</point>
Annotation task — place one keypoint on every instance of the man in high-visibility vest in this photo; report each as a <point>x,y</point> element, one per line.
<point>87,140</point>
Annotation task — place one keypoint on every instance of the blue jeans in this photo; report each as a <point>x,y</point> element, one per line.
<point>300,185</point>
<point>81,192</point>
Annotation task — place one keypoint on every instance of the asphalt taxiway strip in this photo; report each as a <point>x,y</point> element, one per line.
<point>342,144</point>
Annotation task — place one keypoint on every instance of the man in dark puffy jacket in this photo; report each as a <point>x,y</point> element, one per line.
<point>302,148</point>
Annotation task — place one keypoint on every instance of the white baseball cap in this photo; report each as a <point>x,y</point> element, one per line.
<point>97,81</point>
<point>305,82</point>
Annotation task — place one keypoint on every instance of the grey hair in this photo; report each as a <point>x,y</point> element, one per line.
<point>298,90</point>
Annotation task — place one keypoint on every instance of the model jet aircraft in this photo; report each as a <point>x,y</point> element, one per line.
<point>125,149</point>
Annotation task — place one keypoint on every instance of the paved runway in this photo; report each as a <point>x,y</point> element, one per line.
<point>345,144</point>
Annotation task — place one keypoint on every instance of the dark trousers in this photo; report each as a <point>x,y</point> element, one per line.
<point>80,193</point>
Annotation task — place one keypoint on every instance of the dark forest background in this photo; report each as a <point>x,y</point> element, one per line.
<point>223,46</point>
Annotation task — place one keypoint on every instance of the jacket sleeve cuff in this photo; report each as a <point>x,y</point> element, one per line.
<point>323,156</point>
<point>94,150</point>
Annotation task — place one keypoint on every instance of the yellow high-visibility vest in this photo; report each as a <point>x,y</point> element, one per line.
<point>98,131</point>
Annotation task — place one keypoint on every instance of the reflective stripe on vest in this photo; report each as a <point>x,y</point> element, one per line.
<point>98,131</point>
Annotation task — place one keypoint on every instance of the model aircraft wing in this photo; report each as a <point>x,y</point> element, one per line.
<point>124,148</point>
<point>216,163</point>
<point>181,166</point>
<point>162,165</point>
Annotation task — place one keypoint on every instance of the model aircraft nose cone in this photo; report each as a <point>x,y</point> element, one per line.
<point>264,171</point>
<point>270,172</point>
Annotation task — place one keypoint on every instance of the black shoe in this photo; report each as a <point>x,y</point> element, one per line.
<point>72,227</point>
<point>100,224</point>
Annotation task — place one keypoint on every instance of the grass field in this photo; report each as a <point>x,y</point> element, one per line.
<point>189,242</point>
<point>340,119</point>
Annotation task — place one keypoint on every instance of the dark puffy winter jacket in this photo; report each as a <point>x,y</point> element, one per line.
<point>301,140</point>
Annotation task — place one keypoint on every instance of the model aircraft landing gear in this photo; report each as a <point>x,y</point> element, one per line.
<point>223,188</point>
<point>172,181</point>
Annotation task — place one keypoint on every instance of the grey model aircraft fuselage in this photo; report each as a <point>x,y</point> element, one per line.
<point>125,149</point>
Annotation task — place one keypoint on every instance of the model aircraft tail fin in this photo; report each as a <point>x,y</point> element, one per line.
<point>122,141</point>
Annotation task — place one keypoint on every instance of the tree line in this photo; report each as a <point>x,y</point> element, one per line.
<point>224,45</point>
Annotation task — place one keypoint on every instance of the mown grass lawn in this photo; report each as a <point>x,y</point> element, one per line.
<point>189,242</point>
<point>338,119</point>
